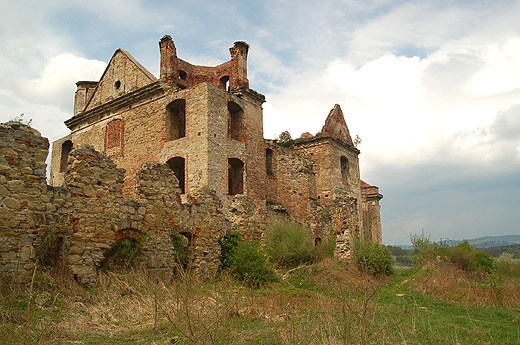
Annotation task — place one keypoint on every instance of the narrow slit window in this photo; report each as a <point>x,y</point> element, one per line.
<point>66,147</point>
<point>344,170</point>
<point>269,162</point>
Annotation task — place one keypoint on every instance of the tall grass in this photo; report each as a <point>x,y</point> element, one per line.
<point>330,302</point>
<point>289,244</point>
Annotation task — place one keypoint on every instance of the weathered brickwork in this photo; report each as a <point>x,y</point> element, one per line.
<point>184,154</point>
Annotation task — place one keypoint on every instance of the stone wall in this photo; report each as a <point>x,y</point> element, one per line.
<point>24,198</point>
<point>89,213</point>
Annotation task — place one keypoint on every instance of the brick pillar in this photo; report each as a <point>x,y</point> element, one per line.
<point>238,76</point>
<point>169,62</point>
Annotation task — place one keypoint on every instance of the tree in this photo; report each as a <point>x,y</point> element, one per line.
<point>285,139</point>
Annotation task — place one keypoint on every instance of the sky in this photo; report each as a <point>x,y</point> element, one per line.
<point>432,88</point>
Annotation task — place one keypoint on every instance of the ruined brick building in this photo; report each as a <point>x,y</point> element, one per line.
<point>195,163</point>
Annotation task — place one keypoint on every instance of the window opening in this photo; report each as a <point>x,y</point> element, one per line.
<point>235,126</point>
<point>235,176</point>
<point>182,75</point>
<point>177,164</point>
<point>344,169</point>
<point>176,120</point>
<point>224,83</point>
<point>66,147</point>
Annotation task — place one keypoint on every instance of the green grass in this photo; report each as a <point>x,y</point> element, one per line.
<point>326,303</point>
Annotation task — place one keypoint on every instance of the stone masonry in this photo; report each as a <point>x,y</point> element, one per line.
<point>88,214</point>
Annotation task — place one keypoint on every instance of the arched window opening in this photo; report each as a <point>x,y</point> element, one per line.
<point>269,162</point>
<point>182,75</point>
<point>235,176</point>
<point>177,164</point>
<point>176,120</point>
<point>224,83</point>
<point>344,169</point>
<point>235,125</point>
<point>66,147</point>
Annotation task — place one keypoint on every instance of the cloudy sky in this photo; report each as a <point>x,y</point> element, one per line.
<point>431,87</point>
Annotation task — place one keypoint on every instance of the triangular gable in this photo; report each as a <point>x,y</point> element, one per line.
<point>122,75</point>
<point>336,126</point>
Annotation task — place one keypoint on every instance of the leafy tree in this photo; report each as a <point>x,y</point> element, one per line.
<point>285,139</point>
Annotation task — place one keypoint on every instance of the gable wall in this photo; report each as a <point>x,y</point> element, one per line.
<point>121,77</point>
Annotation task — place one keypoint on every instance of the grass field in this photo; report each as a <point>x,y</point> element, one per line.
<point>329,302</point>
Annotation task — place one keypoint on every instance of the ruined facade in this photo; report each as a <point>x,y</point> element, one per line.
<point>182,154</point>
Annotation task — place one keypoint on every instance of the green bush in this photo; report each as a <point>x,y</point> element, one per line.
<point>228,246</point>
<point>289,244</point>
<point>181,247</point>
<point>249,265</point>
<point>508,266</point>
<point>462,255</point>
<point>325,249</point>
<point>372,258</point>
<point>425,251</point>
<point>123,254</point>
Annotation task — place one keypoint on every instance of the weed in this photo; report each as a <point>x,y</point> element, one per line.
<point>228,246</point>
<point>249,265</point>
<point>289,244</point>
<point>123,254</point>
<point>181,247</point>
<point>372,257</point>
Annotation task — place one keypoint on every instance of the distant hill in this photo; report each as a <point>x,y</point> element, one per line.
<point>491,241</point>
<point>481,242</point>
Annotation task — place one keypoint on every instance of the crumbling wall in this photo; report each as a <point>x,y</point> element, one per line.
<point>23,194</point>
<point>80,222</point>
<point>336,214</point>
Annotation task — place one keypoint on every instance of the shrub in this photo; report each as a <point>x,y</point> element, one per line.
<point>325,249</point>
<point>250,266</point>
<point>122,254</point>
<point>467,258</point>
<point>372,258</point>
<point>289,244</point>
<point>180,244</point>
<point>49,251</point>
<point>228,245</point>
<point>508,266</point>
<point>425,251</point>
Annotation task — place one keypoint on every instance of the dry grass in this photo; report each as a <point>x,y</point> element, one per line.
<point>448,283</point>
<point>326,303</point>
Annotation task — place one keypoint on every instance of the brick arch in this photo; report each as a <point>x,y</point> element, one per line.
<point>224,83</point>
<point>127,228</point>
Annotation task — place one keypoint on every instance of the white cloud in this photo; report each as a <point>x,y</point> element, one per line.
<point>500,72</point>
<point>58,79</point>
